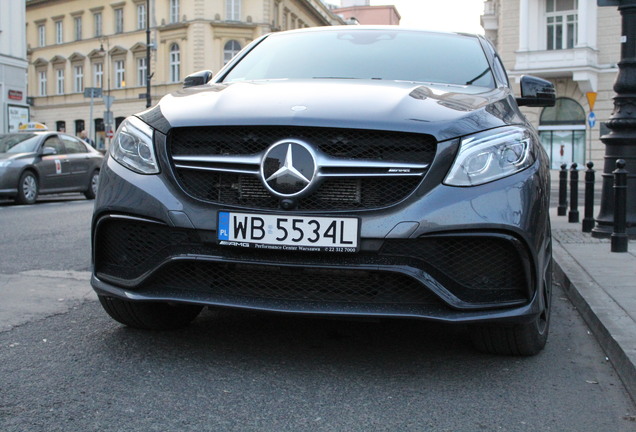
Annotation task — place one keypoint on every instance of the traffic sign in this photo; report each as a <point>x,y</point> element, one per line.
<point>108,101</point>
<point>94,92</point>
<point>591,119</point>
<point>109,134</point>
<point>591,98</point>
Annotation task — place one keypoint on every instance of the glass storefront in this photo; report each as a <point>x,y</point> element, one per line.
<point>562,133</point>
<point>564,147</point>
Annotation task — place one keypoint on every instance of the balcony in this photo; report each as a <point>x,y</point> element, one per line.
<point>579,63</point>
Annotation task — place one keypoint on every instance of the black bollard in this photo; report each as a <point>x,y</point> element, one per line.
<point>588,220</point>
<point>619,237</point>
<point>563,190</point>
<point>573,214</point>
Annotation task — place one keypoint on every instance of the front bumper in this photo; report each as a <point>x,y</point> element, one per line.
<point>447,254</point>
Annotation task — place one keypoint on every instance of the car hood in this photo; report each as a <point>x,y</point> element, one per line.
<point>14,156</point>
<point>443,111</point>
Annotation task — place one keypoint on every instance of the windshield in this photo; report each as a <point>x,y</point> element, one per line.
<point>18,143</point>
<point>367,54</point>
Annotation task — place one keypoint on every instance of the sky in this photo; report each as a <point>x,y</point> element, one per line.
<point>444,15</point>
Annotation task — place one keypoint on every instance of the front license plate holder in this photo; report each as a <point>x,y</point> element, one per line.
<point>288,232</point>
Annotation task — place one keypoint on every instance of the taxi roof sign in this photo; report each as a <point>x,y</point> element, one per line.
<point>32,127</point>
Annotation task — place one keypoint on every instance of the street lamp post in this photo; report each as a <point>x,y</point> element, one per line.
<point>108,100</point>
<point>620,142</point>
<point>148,75</point>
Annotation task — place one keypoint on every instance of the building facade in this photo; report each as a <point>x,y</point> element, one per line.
<point>13,66</point>
<point>576,45</point>
<point>379,15</point>
<point>78,44</point>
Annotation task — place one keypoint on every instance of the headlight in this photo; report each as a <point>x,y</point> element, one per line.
<point>491,155</point>
<point>5,163</point>
<point>132,147</point>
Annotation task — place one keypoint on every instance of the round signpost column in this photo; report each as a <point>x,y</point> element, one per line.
<point>620,142</point>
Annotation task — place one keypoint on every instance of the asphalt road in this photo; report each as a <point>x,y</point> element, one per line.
<point>232,371</point>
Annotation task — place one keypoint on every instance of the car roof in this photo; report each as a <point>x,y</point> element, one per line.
<point>372,28</point>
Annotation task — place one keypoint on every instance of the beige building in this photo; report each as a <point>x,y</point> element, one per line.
<point>77,44</point>
<point>576,45</point>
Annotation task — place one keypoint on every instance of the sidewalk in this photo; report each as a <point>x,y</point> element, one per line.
<point>602,285</point>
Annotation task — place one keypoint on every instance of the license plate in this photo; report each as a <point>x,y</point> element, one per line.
<point>288,232</point>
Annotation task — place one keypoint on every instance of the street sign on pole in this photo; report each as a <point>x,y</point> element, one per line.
<point>108,102</point>
<point>591,98</point>
<point>591,119</point>
<point>92,92</point>
<point>108,117</point>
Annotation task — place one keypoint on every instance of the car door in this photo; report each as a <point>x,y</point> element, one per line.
<point>53,166</point>
<point>80,161</point>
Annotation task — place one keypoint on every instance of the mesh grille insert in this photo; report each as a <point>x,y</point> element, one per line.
<point>476,269</point>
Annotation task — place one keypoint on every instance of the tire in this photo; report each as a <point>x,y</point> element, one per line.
<point>93,184</point>
<point>149,315</point>
<point>28,188</point>
<point>526,339</point>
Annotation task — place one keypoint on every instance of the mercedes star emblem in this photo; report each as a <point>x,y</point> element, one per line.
<point>288,168</point>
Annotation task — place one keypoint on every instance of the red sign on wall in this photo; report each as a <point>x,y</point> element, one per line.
<point>15,95</point>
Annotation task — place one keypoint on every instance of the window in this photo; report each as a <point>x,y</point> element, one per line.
<point>562,132</point>
<point>561,24</point>
<point>98,74</point>
<point>97,21</point>
<point>119,20</point>
<point>233,10</point>
<point>59,73</point>
<point>79,126</point>
<point>59,32</point>
<point>78,28</point>
<point>174,11</point>
<point>231,48</point>
<point>142,71</point>
<point>175,63</point>
<point>54,142</point>
<point>78,81</point>
<point>41,35</point>
<point>73,145</point>
<point>141,16</point>
<point>42,83</point>
<point>120,77</point>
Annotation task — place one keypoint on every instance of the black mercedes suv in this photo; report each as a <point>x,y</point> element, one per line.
<point>340,171</point>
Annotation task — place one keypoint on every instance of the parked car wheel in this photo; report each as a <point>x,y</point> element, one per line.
<point>519,339</point>
<point>91,192</point>
<point>150,315</point>
<point>27,188</point>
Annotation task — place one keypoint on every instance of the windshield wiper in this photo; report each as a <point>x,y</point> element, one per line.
<point>477,77</point>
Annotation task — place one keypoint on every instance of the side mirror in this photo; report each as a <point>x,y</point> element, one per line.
<point>536,92</point>
<point>48,151</point>
<point>197,78</point>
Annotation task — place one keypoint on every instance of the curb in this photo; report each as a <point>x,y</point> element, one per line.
<point>612,328</point>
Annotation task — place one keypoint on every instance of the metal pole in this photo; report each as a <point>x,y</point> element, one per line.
<point>90,122</point>
<point>573,215</point>
<point>619,238</point>
<point>588,220</point>
<point>148,96</point>
<point>563,191</point>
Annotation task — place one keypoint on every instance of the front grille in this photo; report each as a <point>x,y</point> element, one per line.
<point>475,269</point>
<point>290,283</point>
<point>233,186</point>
